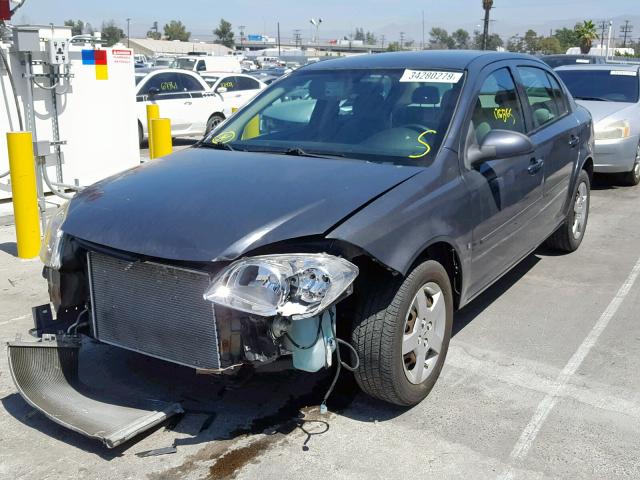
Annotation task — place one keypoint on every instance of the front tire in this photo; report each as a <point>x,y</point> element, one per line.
<point>215,120</point>
<point>570,234</point>
<point>401,333</point>
<point>632,178</point>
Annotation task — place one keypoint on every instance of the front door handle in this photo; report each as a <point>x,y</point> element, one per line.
<point>573,141</point>
<point>187,103</point>
<point>535,165</point>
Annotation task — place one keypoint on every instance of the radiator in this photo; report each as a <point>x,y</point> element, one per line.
<point>154,309</point>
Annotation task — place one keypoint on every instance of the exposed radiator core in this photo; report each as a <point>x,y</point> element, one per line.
<point>153,309</point>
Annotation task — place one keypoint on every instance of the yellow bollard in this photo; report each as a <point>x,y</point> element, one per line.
<point>153,112</point>
<point>23,190</point>
<point>161,137</point>
<point>252,129</point>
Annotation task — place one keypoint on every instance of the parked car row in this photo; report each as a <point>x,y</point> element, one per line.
<point>195,104</point>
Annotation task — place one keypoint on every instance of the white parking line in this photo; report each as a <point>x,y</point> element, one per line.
<point>22,317</point>
<point>529,434</point>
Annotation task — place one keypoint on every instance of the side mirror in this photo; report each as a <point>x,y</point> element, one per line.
<point>221,89</point>
<point>152,92</point>
<point>499,144</point>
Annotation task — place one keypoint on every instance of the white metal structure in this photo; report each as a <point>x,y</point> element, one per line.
<point>209,63</point>
<point>85,114</point>
<point>236,90</point>
<point>183,97</point>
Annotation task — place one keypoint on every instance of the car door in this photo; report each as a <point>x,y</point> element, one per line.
<point>199,107</point>
<point>554,133</point>
<point>505,193</point>
<point>248,87</point>
<point>166,90</point>
<point>232,95</point>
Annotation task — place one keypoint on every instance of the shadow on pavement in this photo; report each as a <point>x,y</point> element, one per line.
<point>9,247</point>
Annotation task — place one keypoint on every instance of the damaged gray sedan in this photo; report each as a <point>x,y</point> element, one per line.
<point>336,221</point>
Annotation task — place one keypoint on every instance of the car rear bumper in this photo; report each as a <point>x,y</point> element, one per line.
<point>615,156</point>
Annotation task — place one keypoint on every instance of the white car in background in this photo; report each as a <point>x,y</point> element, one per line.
<point>234,89</point>
<point>183,97</point>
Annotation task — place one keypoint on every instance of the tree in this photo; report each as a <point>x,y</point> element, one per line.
<point>175,30</point>
<point>493,41</point>
<point>439,38</point>
<point>549,45</point>
<point>587,33</point>
<point>461,38</point>
<point>111,33</point>
<point>567,37</point>
<point>487,5</point>
<point>359,34</point>
<point>154,35</point>
<point>515,44</point>
<point>77,27</point>
<point>370,38</point>
<point>530,41</point>
<point>224,34</point>
<point>393,47</point>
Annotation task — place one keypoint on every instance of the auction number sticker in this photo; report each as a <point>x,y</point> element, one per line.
<point>627,73</point>
<point>431,76</point>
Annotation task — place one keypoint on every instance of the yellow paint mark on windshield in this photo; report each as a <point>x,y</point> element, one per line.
<point>504,114</point>
<point>224,137</point>
<point>427,147</point>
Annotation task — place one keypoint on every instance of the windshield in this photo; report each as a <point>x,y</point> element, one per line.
<point>602,85</point>
<point>184,63</point>
<point>382,115</point>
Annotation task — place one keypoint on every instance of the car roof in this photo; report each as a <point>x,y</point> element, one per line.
<point>573,55</point>
<point>607,66</point>
<point>445,59</point>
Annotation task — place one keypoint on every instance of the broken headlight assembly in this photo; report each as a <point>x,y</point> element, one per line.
<point>51,249</point>
<point>290,285</point>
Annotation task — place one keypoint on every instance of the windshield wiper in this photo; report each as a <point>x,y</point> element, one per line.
<point>596,99</point>
<point>218,146</point>
<point>299,152</point>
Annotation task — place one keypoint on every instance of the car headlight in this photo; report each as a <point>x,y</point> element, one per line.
<point>51,249</point>
<point>294,285</point>
<point>613,130</point>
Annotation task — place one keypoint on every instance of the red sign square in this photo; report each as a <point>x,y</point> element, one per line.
<point>101,57</point>
<point>5,10</point>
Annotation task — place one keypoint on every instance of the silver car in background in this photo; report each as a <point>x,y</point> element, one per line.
<point>612,94</point>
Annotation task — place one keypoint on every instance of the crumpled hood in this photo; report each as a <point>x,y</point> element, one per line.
<point>204,205</point>
<point>601,110</point>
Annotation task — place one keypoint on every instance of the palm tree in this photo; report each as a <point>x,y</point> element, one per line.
<point>487,5</point>
<point>587,33</point>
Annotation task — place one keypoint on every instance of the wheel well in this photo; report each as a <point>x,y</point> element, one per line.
<point>220,114</point>
<point>588,167</point>
<point>445,254</point>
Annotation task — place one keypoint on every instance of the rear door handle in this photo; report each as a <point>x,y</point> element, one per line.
<point>187,103</point>
<point>535,166</point>
<point>573,141</point>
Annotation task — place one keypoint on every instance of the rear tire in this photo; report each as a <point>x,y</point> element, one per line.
<point>632,178</point>
<point>215,120</point>
<point>401,332</point>
<point>569,236</point>
<point>140,134</point>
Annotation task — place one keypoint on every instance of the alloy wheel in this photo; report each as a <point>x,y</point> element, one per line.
<point>423,335</point>
<point>580,210</point>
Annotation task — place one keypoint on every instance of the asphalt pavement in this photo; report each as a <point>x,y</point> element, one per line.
<point>542,381</point>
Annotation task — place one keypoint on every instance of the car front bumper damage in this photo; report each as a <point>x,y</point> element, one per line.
<point>46,375</point>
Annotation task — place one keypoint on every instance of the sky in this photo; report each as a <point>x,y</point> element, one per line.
<point>340,17</point>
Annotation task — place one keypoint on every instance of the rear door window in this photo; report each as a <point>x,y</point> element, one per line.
<point>497,106</point>
<point>246,83</point>
<point>540,96</point>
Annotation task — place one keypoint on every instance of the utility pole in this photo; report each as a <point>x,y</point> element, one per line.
<point>241,28</point>
<point>603,28</point>
<point>487,5</point>
<point>401,40</point>
<point>128,31</point>
<point>422,46</point>
<point>297,37</point>
<point>625,30</point>
<point>382,40</point>
<point>279,52</point>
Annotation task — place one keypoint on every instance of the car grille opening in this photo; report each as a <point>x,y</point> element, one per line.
<point>154,309</point>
